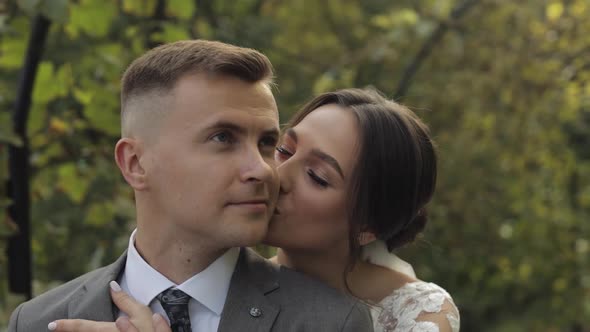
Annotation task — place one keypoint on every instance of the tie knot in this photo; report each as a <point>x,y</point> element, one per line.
<point>173,296</point>
<point>175,304</point>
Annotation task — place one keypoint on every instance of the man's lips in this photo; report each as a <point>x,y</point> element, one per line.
<point>253,201</point>
<point>253,205</point>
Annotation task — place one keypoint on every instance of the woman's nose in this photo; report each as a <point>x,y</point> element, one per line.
<point>285,176</point>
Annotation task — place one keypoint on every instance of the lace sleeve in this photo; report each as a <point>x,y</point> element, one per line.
<point>417,307</point>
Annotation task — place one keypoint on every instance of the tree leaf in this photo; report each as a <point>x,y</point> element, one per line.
<point>180,8</point>
<point>171,33</point>
<point>94,17</point>
<point>30,6</point>
<point>55,10</point>
<point>71,182</point>
<point>554,11</point>
<point>103,114</point>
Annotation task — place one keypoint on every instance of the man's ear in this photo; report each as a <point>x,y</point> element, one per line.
<point>366,237</point>
<point>128,152</point>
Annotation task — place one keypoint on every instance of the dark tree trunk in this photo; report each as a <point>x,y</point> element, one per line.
<point>19,246</point>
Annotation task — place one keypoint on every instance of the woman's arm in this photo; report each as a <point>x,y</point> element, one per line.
<point>447,319</point>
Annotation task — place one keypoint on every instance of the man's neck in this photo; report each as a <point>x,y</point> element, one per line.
<point>175,255</point>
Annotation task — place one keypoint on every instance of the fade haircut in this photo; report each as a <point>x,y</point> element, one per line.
<point>157,72</point>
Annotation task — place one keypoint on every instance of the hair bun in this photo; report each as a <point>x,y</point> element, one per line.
<point>408,234</point>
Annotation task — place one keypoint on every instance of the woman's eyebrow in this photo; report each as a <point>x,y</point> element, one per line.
<point>319,153</point>
<point>291,133</point>
<point>328,159</point>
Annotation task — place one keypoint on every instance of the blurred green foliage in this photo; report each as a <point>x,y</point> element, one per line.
<point>505,86</point>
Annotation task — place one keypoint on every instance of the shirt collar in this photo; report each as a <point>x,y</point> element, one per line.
<point>209,287</point>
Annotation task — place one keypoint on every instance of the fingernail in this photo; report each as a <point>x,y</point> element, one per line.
<point>115,286</point>
<point>122,323</point>
<point>52,326</point>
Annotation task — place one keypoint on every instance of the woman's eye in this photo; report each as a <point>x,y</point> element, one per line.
<point>222,138</point>
<point>317,179</point>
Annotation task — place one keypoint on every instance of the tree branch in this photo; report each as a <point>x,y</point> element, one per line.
<point>158,17</point>
<point>426,49</point>
<point>19,246</point>
<point>207,7</point>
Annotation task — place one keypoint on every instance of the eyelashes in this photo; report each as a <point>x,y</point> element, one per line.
<point>267,143</point>
<point>317,179</point>
<point>283,152</point>
<point>223,137</point>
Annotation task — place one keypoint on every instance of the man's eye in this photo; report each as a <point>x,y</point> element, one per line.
<point>268,141</point>
<point>222,138</point>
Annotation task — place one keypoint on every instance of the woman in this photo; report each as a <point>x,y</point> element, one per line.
<point>357,171</point>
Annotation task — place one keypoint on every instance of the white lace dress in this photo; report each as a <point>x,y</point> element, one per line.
<point>415,307</point>
<point>407,309</point>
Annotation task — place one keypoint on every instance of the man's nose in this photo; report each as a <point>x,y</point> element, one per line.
<point>257,169</point>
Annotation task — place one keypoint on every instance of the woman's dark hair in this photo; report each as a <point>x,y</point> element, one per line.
<point>395,174</point>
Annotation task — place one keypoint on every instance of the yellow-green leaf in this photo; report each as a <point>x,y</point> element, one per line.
<point>554,11</point>
<point>72,183</point>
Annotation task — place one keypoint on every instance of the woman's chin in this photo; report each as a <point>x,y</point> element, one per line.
<point>272,237</point>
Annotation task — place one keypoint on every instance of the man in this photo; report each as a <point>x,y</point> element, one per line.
<point>199,128</point>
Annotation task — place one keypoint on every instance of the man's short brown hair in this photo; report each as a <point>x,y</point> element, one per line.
<point>158,70</point>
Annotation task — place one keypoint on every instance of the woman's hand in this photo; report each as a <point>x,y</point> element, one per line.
<point>140,318</point>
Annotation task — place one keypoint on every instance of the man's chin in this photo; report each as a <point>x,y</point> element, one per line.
<point>253,234</point>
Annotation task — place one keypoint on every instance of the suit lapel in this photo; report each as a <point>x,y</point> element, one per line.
<point>247,308</point>
<point>93,300</point>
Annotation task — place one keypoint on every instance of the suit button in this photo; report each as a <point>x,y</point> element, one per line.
<point>255,312</point>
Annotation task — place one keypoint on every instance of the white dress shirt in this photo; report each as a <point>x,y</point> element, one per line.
<point>208,288</point>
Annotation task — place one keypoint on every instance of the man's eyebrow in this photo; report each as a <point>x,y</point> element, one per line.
<point>274,132</point>
<point>240,129</point>
<point>319,153</point>
<point>227,125</point>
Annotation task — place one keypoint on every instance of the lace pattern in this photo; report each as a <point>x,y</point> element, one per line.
<point>399,311</point>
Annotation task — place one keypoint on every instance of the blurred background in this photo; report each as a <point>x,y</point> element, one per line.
<point>504,85</point>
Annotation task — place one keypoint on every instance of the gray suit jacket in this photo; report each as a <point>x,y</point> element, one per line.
<point>261,297</point>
